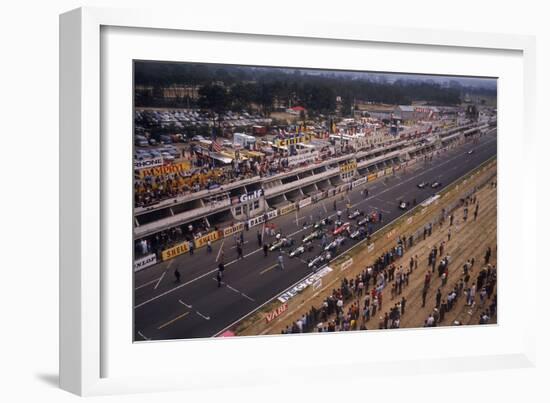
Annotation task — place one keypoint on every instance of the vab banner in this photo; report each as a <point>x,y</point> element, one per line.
<point>174,251</point>
<point>165,169</point>
<point>203,240</point>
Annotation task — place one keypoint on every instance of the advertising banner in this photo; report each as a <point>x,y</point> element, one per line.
<point>380,174</point>
<point>349,166</point>
<point>371,177</point>
<point>203,240</point>
<point>318,196</point>
<point>304,202</point>
<point>260,219</point>
<point>298,288</point>
<point>251,195</point>
<point>174,251</point>
<point>346,264</point>
<point>303,138</point>
<point>359,182</point>
<point>165,169</point>
<point>276,312</point>
<point>287,209</point>
<point>389,171</point>
<point>299,159</point>
<point>145,261</point>
<point>148,163</point>
<point>228,231</point>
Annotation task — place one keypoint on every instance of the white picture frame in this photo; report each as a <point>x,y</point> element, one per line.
<point>84,343</point>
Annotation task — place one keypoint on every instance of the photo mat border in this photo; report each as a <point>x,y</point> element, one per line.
<point>80,304</point>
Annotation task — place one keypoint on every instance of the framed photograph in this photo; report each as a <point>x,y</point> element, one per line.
<point>252,201</point>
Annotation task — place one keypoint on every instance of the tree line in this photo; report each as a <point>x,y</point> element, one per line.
<point>237,88</point>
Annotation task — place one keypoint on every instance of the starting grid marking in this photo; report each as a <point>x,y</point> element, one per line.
<point>235,290</point>
<point>188,306</point>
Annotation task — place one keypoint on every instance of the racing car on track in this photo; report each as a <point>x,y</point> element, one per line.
<point>342,228</point>
<point>322,223</point>
<point>335,243</point>
<point>314,235</point>
<point>436,185</point>
<point>298,251</point>
<point>363,221</point>
<point>422,185</point>
<point>358,233</point>
<point>281,243</point>
<point>319,260</point>
<point>402,205</point>
<point>354,214</point>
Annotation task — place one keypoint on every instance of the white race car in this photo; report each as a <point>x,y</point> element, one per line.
<point>282,243</point>
<point>312,236</point>
<point>336,243</point>
<point>322,223</point>
<point>319,260</point>
<point>298,251</point>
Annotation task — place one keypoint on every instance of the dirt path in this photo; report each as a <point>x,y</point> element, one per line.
<point>468,240</point>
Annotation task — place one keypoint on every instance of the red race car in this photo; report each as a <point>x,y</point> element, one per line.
<point>342,228</point>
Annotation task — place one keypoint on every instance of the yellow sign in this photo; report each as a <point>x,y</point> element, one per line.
<point>166,169</point>
<point>203,240</point>
<point>371,177</point>
<point>348,167</point>
<point>304,138</point>
<point>233,229</point>
<point>389,171</point>
<point>174,251</point>
<point>287,209</point>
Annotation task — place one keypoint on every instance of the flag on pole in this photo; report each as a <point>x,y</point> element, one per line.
<point>216,147</point>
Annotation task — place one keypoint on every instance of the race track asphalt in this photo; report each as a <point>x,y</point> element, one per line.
<point>196,307</point>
